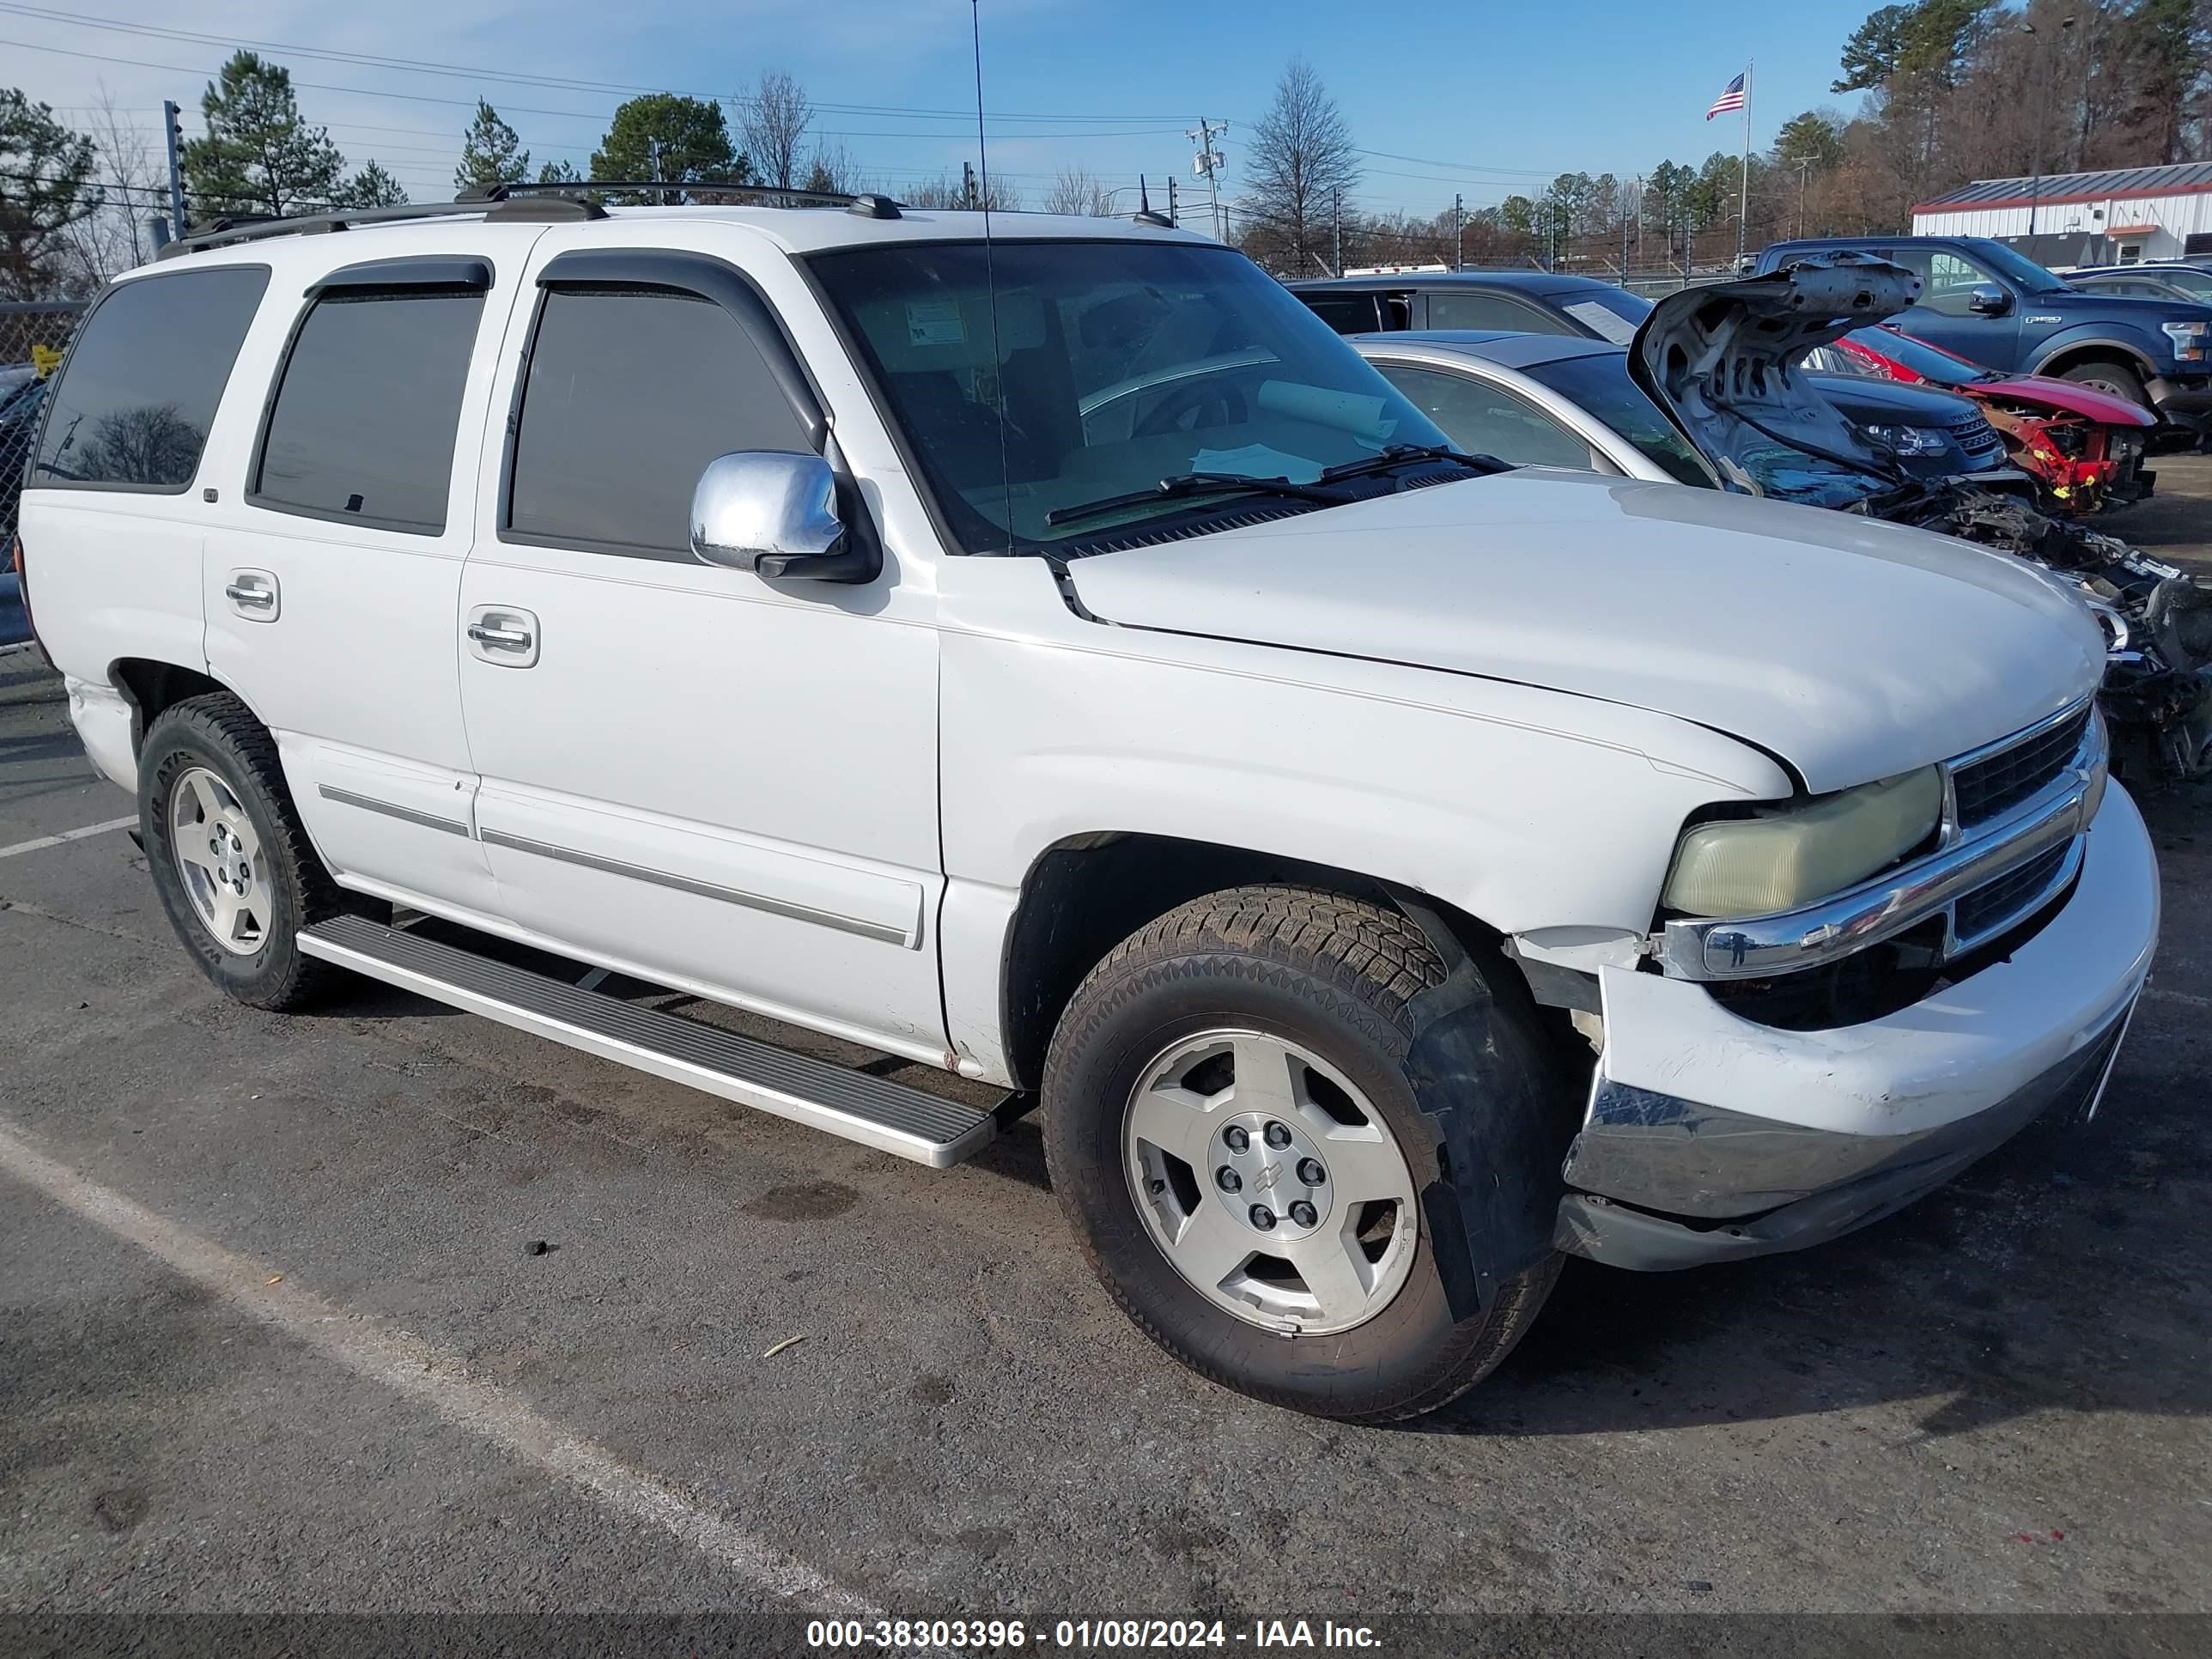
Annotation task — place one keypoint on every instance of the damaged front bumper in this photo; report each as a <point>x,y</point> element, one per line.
<point>1711,1138</point>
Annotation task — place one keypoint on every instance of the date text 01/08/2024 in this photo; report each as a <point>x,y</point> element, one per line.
<point>1119,1635</point>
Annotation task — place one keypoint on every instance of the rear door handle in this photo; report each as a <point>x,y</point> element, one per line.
<point>503,636</point>
<point>253,594</point>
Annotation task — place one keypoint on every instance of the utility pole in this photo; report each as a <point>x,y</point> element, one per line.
<point>1336,230</point>
<point>1804,171</point>
<point>173,138</point>
<point>968,184</point>
<point>1459,233</point>
<point>1207,165</point>
<point>2042,112</point>
<point>1172,219</point>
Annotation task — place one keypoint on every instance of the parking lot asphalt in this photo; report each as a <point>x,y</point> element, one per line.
<point>275,1334</point>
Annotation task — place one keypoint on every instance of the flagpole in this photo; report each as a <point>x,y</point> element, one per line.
<point>1743,210</point>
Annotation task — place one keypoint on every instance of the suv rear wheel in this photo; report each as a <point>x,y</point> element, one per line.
<point>228,856</point>
<point>1229,1126</point>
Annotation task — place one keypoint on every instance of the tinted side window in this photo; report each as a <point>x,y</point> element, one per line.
<point>630,393</point>
<point>368,409</point>
<point>132,409</point>
<point>1465,308</point>
<point>1486,420</point>
<point>1347,314</point>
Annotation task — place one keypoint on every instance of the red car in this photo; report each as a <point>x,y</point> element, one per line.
<point>2082,447</point>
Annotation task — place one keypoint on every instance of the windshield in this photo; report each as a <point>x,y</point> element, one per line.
<point>1930,363</point>
<point>1611,314</point>
<point>1030,378</point>
<point>1599,383</point>
<point>2016,267</point>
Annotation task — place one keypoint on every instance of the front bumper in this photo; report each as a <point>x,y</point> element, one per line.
<point>2185,399</point>
<point>1709,1136</point>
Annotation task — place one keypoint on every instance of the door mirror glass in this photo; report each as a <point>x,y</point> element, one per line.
<point>1987,300</point>
<point>772,513</point>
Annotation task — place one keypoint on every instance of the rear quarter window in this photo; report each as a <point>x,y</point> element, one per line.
<point>131,407</point>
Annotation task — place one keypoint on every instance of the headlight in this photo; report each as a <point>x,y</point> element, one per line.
<point>1786,856</point>
<point>2188,338</point>
<point>1909,440</point>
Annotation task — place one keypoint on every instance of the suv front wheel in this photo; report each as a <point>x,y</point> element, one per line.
<point>227,854</point>
<point>1229,1123</point>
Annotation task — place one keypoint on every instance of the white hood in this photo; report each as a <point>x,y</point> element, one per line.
<point>1851,648</point>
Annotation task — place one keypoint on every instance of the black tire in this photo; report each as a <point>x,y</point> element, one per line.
<point>2111,375</point>
<point>216,731</point>
<point>1335,975</point>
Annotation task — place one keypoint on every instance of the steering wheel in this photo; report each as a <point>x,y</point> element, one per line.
<point>1193,402</point>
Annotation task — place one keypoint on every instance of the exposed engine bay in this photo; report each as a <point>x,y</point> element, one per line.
<point>1721,361</point>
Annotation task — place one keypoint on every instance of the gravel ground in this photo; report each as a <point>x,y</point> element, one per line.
<point>273,1338</point>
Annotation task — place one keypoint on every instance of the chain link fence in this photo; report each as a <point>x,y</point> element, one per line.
<point>32,338</point>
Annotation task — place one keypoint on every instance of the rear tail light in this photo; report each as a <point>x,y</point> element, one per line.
<point>23,587</point>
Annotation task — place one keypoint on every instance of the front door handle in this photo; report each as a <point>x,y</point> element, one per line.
<point>253,594</point>
<point>502,635</point>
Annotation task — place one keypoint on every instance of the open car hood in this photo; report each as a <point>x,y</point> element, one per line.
<point>1720,360</point>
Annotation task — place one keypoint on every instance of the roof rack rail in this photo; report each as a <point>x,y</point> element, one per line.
<point>500,203</point>
<point>254,228</point>
<point>867,205</point>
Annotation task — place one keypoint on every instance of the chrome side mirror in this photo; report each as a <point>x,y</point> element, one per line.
<point>1987,300</point>
<point>774,514</point>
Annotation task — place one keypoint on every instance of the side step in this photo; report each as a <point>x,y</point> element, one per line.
<point>888,1116</point>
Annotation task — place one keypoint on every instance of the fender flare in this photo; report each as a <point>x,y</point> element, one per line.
<point>2070,342</point>
<point>1502,1108</point>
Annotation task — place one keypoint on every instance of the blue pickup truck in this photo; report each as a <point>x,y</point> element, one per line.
<point>1990,303</point>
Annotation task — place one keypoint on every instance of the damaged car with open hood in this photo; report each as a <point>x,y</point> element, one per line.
<point>1712,392</point>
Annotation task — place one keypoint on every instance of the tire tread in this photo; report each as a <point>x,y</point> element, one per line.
<point>1381,960</point>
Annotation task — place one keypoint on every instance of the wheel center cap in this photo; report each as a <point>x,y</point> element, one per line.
<point>1260,1168</point>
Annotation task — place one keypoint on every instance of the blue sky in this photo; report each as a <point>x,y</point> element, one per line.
<point>1493,98</point>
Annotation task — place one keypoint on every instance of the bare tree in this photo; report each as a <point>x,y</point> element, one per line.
<point>1078,189</point>
<point>774,122</point>
<point>115,239</point>
<point>946,192</point>
<point>1301,159</point>
<point>832,169</point>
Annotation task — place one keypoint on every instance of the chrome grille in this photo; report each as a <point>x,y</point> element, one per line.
<point>1989,787</point>
<point>1977,438</point>
<point>1986,909</point>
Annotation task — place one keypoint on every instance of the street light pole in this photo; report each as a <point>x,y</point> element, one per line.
<point>2042,118</point>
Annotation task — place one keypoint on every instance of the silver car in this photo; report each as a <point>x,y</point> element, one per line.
<point>1538,400</point>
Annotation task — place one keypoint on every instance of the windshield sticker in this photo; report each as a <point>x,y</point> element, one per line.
<point>1593,314</point>
<point>934,323</point>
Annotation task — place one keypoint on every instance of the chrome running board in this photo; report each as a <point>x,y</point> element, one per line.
<point>888,1116</point>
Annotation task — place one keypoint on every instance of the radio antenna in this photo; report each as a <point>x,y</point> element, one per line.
<point>991,275</point>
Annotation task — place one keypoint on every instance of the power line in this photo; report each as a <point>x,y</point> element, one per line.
<point>424,66</point>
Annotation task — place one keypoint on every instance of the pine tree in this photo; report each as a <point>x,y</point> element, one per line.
<point>664,136</point>
<point>258,157</point>
<point>374,187</point>
<point>491,153</point>
<point>46,184</point>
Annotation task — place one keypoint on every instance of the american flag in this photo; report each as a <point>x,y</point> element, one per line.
<point>1731,98</point>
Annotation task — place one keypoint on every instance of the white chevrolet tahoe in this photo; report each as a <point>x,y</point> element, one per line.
<point>1047,652</point>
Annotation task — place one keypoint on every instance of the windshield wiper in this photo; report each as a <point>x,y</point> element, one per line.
<point>1397,455</point>
<point>1180,485</point>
